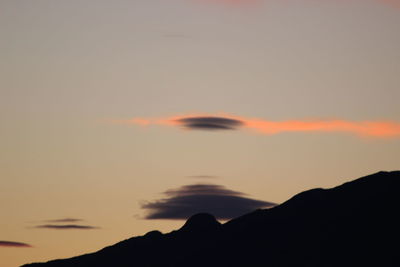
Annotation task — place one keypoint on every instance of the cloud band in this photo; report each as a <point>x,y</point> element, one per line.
<point>378,129</point>
<point>66,227</point>
<point>14,244</point>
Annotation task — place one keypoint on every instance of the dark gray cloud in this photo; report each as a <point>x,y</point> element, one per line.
<point>210,123</point>
<point>66,227</point>
<point>64,220</point>
<point>14,244</point>
<point>183,202</point>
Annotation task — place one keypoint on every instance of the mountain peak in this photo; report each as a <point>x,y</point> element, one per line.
<point>201,222</point>
<point>354,224</point>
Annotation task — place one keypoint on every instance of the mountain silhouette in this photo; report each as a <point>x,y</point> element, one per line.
<point>201,222</point>
<point>354,224</point>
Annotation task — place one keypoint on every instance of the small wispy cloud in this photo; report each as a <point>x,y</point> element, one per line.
<point>66,227</point>
<point>183,202</point>
<point>202,176</point>
<point>14,244</point>
<point>367,128</point>
<point>64,220</point>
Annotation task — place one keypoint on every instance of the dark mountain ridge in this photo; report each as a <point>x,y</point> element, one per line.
<point>354,224</point>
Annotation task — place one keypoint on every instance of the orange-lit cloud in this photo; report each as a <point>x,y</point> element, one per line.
<point>379,129</point>
<point>363,128</point>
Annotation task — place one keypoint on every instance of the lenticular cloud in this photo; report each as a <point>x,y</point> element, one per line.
<point>183,202</point>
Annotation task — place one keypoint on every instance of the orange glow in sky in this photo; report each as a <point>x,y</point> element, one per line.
<point>379,129</point>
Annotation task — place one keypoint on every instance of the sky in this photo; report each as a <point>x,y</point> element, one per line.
<point>122,117</point>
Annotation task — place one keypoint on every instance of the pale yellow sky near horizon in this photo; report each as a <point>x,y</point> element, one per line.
<point>66,67</point>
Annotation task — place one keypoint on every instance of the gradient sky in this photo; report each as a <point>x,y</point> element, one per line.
<point>76,175</point>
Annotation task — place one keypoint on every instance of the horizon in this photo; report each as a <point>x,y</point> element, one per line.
<point>119,118</point>
<point>201,229</point>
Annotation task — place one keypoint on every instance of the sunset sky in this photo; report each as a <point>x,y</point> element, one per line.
<point>120,117</point>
